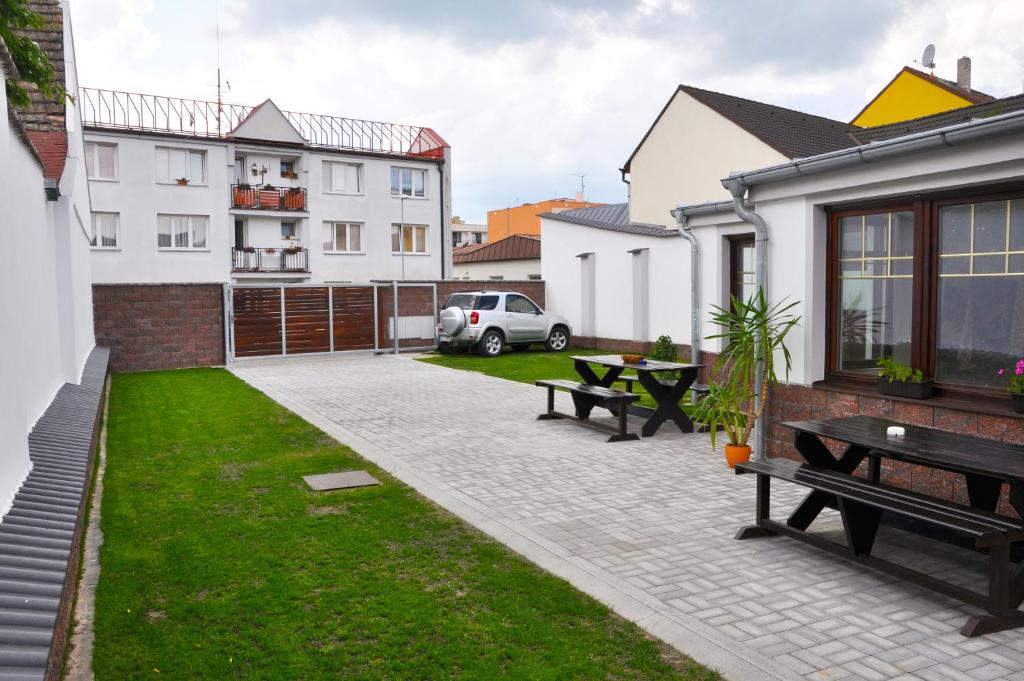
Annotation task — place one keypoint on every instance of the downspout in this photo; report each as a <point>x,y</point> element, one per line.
<point>686,231</point>
<point>738,189</point>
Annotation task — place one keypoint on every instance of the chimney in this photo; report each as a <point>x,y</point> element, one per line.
<point>579,196</point>
<point>963,73</point>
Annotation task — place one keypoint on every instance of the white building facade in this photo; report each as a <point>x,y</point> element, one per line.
<point>263,203</point>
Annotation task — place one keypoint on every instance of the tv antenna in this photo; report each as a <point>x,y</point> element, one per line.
<point>583,183</point>
<point>928,57</point>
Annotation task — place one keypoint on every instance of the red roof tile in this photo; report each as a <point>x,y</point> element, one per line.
<point>515,247</point>
<point>52,148</point>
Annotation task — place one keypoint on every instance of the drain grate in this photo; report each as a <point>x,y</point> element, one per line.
<point>342,480</point>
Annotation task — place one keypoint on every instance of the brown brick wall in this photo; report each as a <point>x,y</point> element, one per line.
<point>160,326</point>
<point>795,402</point>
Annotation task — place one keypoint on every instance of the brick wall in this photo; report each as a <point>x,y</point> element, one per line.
<point>795,402</point>
<point>160,326</point>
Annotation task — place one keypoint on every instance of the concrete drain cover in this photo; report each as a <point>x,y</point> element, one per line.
<point>342,480</point>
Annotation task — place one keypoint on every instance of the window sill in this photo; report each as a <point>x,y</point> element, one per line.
<point>344,252</point>
<point>417,255</point>
<point>175,184</point>
<point>330,193</point>
<point>183,250</point>
<point>411,198</point>
<point>104,179</point>
<point>105,248</point>
<point>990,405</point>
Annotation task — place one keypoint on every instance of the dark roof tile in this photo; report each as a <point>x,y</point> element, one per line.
<point>613,217</point>
<point>515,247</point>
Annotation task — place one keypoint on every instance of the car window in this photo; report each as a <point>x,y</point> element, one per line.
<point>486,303</point>
<point>514,303</point>
<point>463,301</point>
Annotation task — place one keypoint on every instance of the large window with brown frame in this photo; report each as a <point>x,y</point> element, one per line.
<point>937,284</point>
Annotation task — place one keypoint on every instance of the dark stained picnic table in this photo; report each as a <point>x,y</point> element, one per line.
<point>666,394</point>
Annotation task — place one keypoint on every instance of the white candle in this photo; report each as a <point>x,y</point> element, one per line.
<point>895,431</point>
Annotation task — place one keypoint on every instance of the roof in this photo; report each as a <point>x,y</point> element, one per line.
<point>794,134</point>
<point>468,248</point>
<point>515,247</point>
<point>45,113</point>
<point>939,120</point>
<point>52,148</point>
<point>613,217</point>
<point>972,96</point>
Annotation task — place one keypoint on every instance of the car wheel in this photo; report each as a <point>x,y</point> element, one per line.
<point>491,344</point>
<point>558,340</point>
<point>520,347</point>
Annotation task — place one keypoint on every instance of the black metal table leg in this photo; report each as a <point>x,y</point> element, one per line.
<point>668,401</point>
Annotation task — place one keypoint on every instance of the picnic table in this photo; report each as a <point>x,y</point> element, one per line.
<point>985,464</point>
<point>666,394</point>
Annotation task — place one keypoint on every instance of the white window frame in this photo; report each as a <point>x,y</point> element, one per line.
<point>397,193</point>
<point>401,241</point>
<point>295,230</point>
<point>327,178</point>
<point>192,221</point>
<point>94,244</point>
<point>188,151</point>
<point>92,158</point>
<point>333,224</point>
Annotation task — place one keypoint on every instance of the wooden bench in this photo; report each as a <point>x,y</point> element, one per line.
<point>861,503</point>
<point>585,397</point>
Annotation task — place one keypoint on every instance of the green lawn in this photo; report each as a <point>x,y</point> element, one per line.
<point>219,563</point>
<point>533,365</point>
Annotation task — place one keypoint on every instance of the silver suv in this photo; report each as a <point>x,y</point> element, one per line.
<point>489,320</point>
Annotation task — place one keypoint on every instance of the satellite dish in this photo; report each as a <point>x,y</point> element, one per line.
<point>928,58</point>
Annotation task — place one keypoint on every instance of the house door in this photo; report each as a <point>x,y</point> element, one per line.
<point>742,274</point>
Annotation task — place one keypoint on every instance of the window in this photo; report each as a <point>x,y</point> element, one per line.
<point>288,169</point>
<point>408,238</point>
<point>342,178</point>
<point>101,161</point>
<point>287,230</point>
<point>409,182</point>
<point>182,232</point>
<point>937,285</point>
<point>742,277</point>
<point>174,164</point>
<point>241,233</point>
<point>343,237</point>
<point>104,230</point>
<point>520,304</point>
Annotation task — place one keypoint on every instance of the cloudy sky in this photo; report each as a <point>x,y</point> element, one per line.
<point>533,93</point>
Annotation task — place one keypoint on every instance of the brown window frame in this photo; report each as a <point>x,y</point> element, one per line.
<point>924,322</point>
<point>736,243</point>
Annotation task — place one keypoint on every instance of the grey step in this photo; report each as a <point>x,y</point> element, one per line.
<point>55,478</point>
<point>24,574</point>
<point>32,587</point>
<point>21,526</point>
<point>73,492</point>
<point>25,636</point>
<point>29,602</point>
<point>57,511</point>
<point>8,549</point>
<point>45,498</point>
<point>23,656</point>
<point>12,536</point>
<point>13,617</point>
<point>35,516</point>
<point>22,674</point>
<point>20,561</point>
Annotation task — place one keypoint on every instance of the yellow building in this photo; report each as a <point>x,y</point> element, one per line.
<point>913,94</point>
<point>525,219</point>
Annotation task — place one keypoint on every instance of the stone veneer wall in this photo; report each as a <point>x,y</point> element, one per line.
<point>796,402</point>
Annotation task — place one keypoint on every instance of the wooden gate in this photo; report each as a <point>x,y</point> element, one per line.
<point>292,320</point>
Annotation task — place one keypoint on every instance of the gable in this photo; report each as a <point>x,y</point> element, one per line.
<point>266,122</point>
<point>909,96</point>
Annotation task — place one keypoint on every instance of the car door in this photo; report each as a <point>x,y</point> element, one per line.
<point>525,322</point>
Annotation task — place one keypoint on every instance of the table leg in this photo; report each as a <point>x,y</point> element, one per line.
<point>818,455</point>
<point>1017,496</point>
<point>762,512</point>
<point>590,377</point>
<point>668,401</point>
<point>983,491</point>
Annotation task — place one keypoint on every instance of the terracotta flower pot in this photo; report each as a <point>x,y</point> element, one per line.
<point>735,454</point>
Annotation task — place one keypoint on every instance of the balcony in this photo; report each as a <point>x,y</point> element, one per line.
<point>253,259</point>
<point>268,197</point>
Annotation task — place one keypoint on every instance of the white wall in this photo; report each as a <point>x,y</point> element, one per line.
<point>507,269</point>
<point>46,299</point>
<point>684,158</point>
<point>138,199</point>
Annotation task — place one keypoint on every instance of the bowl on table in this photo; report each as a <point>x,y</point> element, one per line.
<point>633,359</point>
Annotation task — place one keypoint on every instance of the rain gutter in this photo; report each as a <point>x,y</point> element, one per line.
<point>686,231</point>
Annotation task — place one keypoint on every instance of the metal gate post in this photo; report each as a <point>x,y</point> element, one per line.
<point>229,326</point>
<point>284,336</point>
<point>376,320</point>
<point>433,313</point>
<point>394,330</point>
<point>330,313</point>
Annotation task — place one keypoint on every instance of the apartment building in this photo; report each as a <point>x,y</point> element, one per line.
<point>189,191</point>
<point>466,233</point>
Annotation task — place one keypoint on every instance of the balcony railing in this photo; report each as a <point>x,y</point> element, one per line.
<point>252,259</point>
<point>262,198</point>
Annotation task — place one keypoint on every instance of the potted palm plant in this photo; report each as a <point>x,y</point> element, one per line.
<point>899,380</point>
<point>754,333</point>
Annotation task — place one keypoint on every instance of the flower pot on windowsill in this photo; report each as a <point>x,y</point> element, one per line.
<point>1018,402</point>
<point>290,174</point>
<point>916,390</point>
<point>182,181</point>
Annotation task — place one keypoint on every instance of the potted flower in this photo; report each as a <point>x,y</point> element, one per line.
<point>899,380</point>
<point>270,197</point>
<point>182,181</point>
<point>291,250</point>
<point>294,199</point>
<point>243,196</point>
<point>754,333</point>
<point>1016,386</point>
<point>290,174</point>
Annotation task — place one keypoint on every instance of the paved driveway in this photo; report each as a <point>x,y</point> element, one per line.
<point>646,526</point>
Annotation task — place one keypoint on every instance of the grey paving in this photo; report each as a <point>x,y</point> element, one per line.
<point>342,480</point>
<point>647,527</point>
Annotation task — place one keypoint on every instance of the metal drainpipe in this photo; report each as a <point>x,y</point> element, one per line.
<point>738,189</point>
<point>685,231</point>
